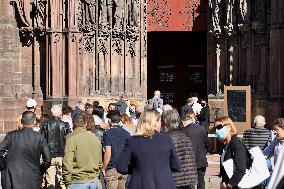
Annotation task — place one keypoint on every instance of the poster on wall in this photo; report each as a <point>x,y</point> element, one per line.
<point>237,106</point>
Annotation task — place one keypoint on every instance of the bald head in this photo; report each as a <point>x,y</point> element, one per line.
<point>157,93</point>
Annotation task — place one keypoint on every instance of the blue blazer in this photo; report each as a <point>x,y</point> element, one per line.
<point>150,162</point>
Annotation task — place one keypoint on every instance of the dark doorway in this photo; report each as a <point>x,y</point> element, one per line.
<point>177,65</point>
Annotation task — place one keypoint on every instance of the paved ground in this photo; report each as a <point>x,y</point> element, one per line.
<point>211,179</point>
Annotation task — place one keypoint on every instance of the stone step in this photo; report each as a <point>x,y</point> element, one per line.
<point>212,181</point>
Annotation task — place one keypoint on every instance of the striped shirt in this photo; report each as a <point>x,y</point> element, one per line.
<point>256,137</point>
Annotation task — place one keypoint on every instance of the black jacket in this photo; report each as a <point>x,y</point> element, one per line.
<point>204,117</point>
<point>242,160</point>
<point>54,132</point>
<point>199,139</point>
<point>187,174</point>
<point>23,168</point>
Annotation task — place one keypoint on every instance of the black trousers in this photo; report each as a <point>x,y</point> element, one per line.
<point>201,173</point>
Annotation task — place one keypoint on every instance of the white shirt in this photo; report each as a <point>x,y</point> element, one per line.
<point>196,107</point>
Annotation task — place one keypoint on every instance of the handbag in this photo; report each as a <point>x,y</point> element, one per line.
<point>256,174</point>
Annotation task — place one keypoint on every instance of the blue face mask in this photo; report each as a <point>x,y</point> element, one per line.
<point>221,133</point>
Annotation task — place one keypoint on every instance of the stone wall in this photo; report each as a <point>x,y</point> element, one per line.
<point>15,69</point>
<point>245,40</point>
<point>88,49</point>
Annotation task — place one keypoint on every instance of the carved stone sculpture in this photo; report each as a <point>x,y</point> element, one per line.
<point>84,41</point>
<point>215,6</point>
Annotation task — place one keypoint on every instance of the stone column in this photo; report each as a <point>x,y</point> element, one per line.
<point>218,82</point>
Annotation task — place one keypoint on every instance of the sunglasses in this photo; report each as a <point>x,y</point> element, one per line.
<point>218,127</point>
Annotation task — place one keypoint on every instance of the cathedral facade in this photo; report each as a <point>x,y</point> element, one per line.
<point>62,51</point>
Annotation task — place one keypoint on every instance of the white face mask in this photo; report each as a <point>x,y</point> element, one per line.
<point>222,133</point>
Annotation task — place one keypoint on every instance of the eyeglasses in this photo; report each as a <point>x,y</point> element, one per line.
<point>218,127</point>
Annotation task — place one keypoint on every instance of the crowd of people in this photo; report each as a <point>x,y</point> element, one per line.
<point>130,146</point>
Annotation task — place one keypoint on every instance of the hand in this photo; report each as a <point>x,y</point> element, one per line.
<point>229,186</point>
<point>223,185</point>
<point>104,172</point>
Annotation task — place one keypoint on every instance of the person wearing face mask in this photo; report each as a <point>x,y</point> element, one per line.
<point>234,149</point>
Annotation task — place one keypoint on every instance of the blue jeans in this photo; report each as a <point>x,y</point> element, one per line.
<point>266,181</point>
<point>89,185</point>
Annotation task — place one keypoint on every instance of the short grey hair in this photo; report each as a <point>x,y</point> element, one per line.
<point>259,121</point>
<point>167,107</point>
<point>171,119</point>
<point>56,110</point>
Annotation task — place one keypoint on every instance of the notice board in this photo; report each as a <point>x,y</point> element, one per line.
<point>237,106</point>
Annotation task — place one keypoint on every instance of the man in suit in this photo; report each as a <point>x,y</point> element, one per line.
<point>24,148</point>
<point>156,102</point>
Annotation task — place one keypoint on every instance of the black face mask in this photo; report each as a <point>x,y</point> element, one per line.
<point>203,104</point>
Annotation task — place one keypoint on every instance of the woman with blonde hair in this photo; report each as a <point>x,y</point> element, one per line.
<point>234,149</point>
<point>149,156</point>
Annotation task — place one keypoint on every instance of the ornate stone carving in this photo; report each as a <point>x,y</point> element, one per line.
<point>87,24</point>
<point>24,9</point>
<point>72,29</point>
<point>56,38</point>
<point>132,34</point>
<point>132,13</point>
<point>86,16</point>
<point>260,23</point>
<point>216,16</point>
<point>89,42</point>
<point>31,19</point>
<point>132,26</point>
<point>104,33</point>
<point>229,17</point>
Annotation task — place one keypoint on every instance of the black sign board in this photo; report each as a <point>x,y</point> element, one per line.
<point>237,106</point>
<point>236,101</point>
